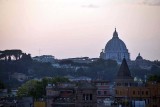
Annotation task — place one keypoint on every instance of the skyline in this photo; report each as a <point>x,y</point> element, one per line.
<point>79,28</point>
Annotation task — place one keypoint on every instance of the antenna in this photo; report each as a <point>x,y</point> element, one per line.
<point>39,52</point>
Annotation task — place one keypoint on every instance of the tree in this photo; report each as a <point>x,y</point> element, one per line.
<point>36,89</point>
<point>8,53</point>
<point>58,79</point>
<point>2,86</point>
<point>26,88</point>
<point>155,78</point>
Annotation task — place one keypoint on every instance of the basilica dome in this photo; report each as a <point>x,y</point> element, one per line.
<point>139,57</point>
<point>115,44</point>
<point>115,49</point>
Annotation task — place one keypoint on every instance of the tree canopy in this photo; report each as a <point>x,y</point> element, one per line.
<point>36,88</point>
<point>155,78</point>
<point>2,85</point>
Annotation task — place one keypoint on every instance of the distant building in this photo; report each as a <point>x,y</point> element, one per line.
<point>77,79</point>
<point>84,60</point>
<point>81,94</point>
<point>25,102</point>
<point>142,63</point>
<point>19,76</point>
<point>3,93</point>
<point>60,95</point>
<point>82,78</point>
<point>115,49</point>
<point>86,95</point>
<point>104,89</point>
<point>14,102</point>
<point>44,58</point>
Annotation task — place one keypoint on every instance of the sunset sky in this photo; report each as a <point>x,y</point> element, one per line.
<point>79,28</point>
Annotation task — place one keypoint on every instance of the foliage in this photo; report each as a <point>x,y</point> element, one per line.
<point>155,78</point>
<point>157,62</point>
<point>103,69</point>
<point>36,88</point>
<point>17,54</point>
<point>8,53</point>
<point>100,69</point>
<point>2,85</point>
<point>66,61</point>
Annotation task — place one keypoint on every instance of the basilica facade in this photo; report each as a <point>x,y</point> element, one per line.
<point>115,49</point>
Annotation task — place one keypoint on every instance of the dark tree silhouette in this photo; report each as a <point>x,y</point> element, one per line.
<point>8,54</point>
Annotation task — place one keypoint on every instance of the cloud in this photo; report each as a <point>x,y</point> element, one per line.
<point>90,6</point>
<point>142,2</point>
<point>151,2</point>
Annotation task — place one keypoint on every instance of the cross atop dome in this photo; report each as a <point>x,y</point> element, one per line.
<point>115,34</point>
<point>139,54</point>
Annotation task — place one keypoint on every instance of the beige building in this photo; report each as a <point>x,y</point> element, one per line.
<point>128,92</point>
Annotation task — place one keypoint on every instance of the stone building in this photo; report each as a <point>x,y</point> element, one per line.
<point>45,58</point>
<point>71,95</point>
<point>86,95</point>
<point>142,63</point>
<point>62,94</point>
<point>104,89</point>
<point>115,49</point>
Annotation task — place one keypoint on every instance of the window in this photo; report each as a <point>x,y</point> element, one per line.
<point>146,92</point>
<point>98,84</point>
<point>138,92</point>
<point>87,97</point>
<point>83,96</point>
<point>130,84</point>
<point>126,84</point>
<point>105,83</point>
<point>142,92</point>
<point>90,96</point>
<point>133,92</point>
<point>120,92</point>
<point>116,91</point>
<point>76,97</point>
<point>105,92</point>
<point>118,84</point>
<point>99,92</point>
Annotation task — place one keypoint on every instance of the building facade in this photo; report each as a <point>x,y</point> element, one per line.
<point>81,94</point>
<point>104,89</point>
<point>86,95</point>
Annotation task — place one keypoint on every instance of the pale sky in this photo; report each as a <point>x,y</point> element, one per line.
<point>79,28</point>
